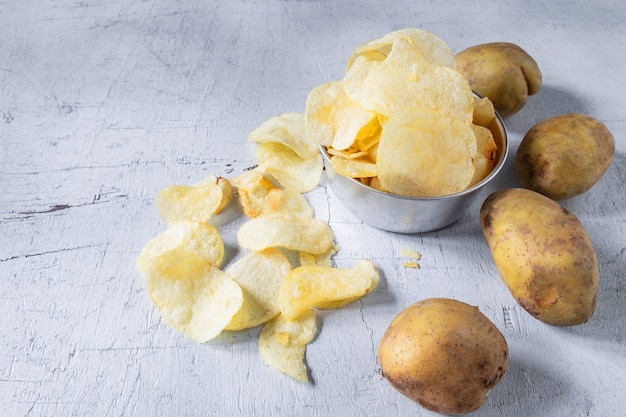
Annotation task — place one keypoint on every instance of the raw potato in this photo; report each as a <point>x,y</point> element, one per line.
<point>443,354</point>
<point>564,156</point>
<point>501,71</point>
<point>543,254</point>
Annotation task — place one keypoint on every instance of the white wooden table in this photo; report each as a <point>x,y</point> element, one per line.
<point>103,103</point>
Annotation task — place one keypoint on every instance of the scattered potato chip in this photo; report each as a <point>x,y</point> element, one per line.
<point>259,195</point>
<point>306,287</point>
<point>354,168</point>
<point>332,119</point>
<point>287,231</point>
<point>288,129</point>
<point>411,264</point>
<point>197,202</point>
<point>260,276</point>
<point>484,159</point>
<point>288,168</point>
<point>200,238</point>
<point>318,259</point>
<point>282,343</point>
<point>424,153</point>
<point>195,298</point>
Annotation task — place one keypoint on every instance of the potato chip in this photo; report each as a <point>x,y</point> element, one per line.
<point>334,120</point>
<point>366,266</point>
<point>484,112</point>
<point>354,168</point>
<point>288,168</point>
<point>317,259</point>
<point>282,343</point>
<point>288,129</point>
<point>347,154</point>
<point>197,202</point>
<point>432,48</point>
<point>484,159</point>
<point>195,298</point>
<point>200,238</point>
<point>424,153</point>
<point>407,79</point>
<point>287,231</point>
<point>259,195</point>
<point>306,287</point>
<point>260,276</point>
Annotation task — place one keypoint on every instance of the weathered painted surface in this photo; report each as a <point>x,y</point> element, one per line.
<point>103,103</point>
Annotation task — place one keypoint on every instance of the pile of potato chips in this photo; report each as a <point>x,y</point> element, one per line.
<point>403,120</point>
<point>185,277</point>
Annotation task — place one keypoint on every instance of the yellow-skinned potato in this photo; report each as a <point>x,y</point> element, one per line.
<point>443,354</point>
<point>564,156</point>
<point>501,71</point>
<point>543,254</point>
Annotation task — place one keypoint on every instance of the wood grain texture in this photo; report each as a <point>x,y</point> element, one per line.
<point>103,103</point>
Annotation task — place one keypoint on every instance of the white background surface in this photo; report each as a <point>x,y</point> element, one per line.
<point>104,103</point>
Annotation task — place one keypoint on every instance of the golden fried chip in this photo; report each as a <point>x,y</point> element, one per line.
<point>432,48</point>
<point>195,298</point>
<point>484,159</point>
<point>259,195</point>
<point>332,119</point>
<point>260,276</point>
<point>407,79</point>
<point>196,202</point>
<point>354,168</point>
<point>200,238</point>
<point>424,153</point>
<point>282,343</point>
<point>484,112</point>
<point>288,129</point>
<point>288,168</point>
<point>306,287</point>
<point>287,231</point>
<point>318,259</point>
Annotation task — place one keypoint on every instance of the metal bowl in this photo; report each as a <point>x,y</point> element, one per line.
<point>401,214</point>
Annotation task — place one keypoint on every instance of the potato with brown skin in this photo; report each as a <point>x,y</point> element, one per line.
<point>443,354</point>
<point>501,71</point>
<point>543,254</point>
<point>564,156</point>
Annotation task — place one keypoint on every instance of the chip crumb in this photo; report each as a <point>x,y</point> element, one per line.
<point>414,265</point>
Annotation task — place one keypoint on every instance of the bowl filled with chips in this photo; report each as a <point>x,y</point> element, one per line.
<point>406,214</point>
<point>405,141</point>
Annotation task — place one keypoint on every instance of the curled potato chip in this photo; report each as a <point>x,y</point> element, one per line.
<point>484,112</point>
<point>333,119</point>
<point>306,287</point>
<point>432,48</point>
<point>288,129</point>
<point>484,159</point>
<point>424,153</point>
<point>200,238</point>
<point>195,298</point>
<point>406,78</point>
<point>287,231</point>
<point>317,259</point>
<point>260,276</point>
<point>259,195</point>
<point>354,168</point>
<point>288,168</point>
<point>282,343</point>
<point>196,202</point>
